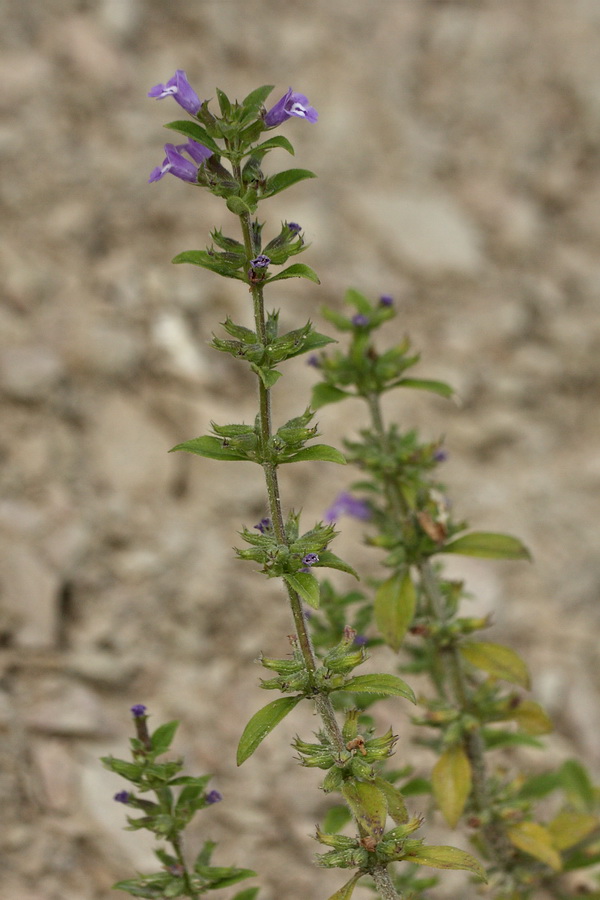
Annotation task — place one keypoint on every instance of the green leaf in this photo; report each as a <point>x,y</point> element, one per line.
<point>494,738</point>
<point>488,544</point>
<point>268,376</point>
<point>451,782</point>
<point>446,858</point>
<point>497,660</point>
<point>323,394</point>
<point>576,783</point>
<point>538,786</point>
<point>129,770</point>
<point>222,876</point>
<point>330,561</point>
<point>210,447</point>
<point>272,143</point>
<point>262,723</point>
<point>196,132</point>
<point>306,585</point>
<point>314,341</point>
<point>140,887</point>
<point>358,300</point>
<point>336,818</point>
<point>238,206</point>
<point>535,840</point>
<point>248,894</point>
<point>368,805</point>
<point>282,180</point>
<point>394,607</point>
<point>163,736</point>
<point>317,451</point>
<point>395,801</point>
<point>224,103</point>
<point>388,685</point>
<point>346,891</point>
<point>212,263</point>
<point>426,384</point>
<point>257,97</point>
<point>298,270</point>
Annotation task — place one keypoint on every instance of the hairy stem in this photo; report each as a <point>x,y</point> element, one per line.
<point>323,703</point>
<point>177,848</point>
<point>495,838</point>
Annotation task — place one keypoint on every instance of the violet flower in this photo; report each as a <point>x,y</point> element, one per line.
<point>213,797</point>
<point>179,88</point>
<point>291,104</point>
<point>360,320</point>
<point>122,797</point>
<point>386,300</point>
<point>261,261</point>
<point>264,525</point>
<point>138,710</point>
<point>347,505</point>
<point>178,165</point>
<point>309,560</point>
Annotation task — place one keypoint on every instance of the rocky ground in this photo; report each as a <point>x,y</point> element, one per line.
<point>457,152</point>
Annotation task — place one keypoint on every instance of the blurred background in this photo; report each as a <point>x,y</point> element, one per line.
<point>457,151</point>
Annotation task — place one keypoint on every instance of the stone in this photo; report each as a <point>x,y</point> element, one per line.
<point>178,351</point>
<point>427,231</point>
<point>30,372</point>
<point>28,596</point>
<point>63,707</point>
<point>128,450</point>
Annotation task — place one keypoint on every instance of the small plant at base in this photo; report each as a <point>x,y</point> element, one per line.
<point>177,800</point>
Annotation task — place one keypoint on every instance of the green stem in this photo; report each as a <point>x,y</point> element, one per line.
<point>322,701</point>
<point>176,844</point>
<point>383,883</point>
<point>473,744</point>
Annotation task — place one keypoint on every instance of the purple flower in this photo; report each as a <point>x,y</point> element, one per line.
<point>291,104</point>
<point>213,797</point>
<point>261,261</point>
<point>309,560</point>
<point>294,227</point>
<point>313,360</point>
<point>180,89</point>
<point>178,165</point>
<point>347,505</point>
<point>386,300</point>
<point>122,797</point>
<point>138,710</point>
<point>360,320</point>
<point>360,640</point>
<point>440,455</point>
<point>264,525</point>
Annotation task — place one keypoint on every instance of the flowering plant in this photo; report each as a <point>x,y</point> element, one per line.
<point>412,607</point>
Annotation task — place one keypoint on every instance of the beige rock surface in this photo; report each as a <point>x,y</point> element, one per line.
<point>457,152</point>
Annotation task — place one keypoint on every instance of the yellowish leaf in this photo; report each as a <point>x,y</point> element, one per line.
<point>451,782</point>
<point>537,841</point>
<point>568,828</point>
<point>530,716</point>
<point>497,660</point>
<point>345,892</point>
